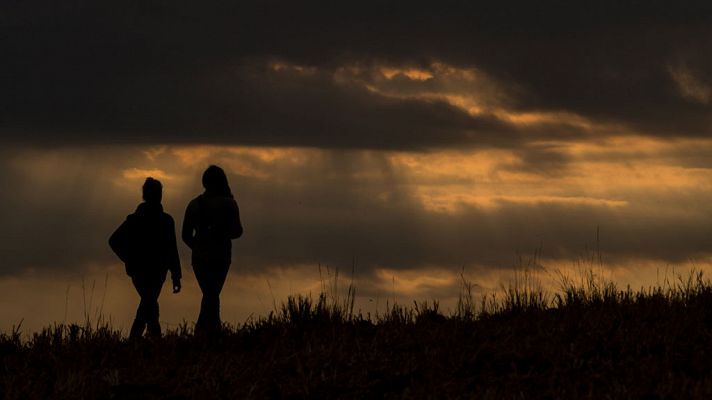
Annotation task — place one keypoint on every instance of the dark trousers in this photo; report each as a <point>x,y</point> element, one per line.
<point>149,288</point>
<point>211,279</point>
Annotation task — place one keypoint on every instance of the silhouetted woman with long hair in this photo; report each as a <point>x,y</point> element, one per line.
<point>146,243</point>
<point>211,221</point>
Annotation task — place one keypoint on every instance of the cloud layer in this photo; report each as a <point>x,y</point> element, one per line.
<point>396,210</point>
<point>186,73</point>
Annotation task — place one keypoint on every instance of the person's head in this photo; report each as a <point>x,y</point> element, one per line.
<point>152,190</point>
<point>215,181</point>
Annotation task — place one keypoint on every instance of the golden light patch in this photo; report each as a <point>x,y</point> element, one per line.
<point>139,173</point>
<point>635,147</point>
<point>449,201</point>
<point>253,161</point>
<point>451,72</point>
<point>193,155</point>
<point>465,88</point>
<point>412,282</point>
<point>451,181</point>
<point>467,103</point>
<point>266,163</point>
<point>411,73</point>
<point>154,153</point>
<point>533,118</point>
<point>637,177</point>
<point>271,154</point>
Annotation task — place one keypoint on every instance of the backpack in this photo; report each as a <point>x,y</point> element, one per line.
<point>123,240</point>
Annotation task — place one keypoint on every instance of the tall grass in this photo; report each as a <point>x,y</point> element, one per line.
<point>588,339</point>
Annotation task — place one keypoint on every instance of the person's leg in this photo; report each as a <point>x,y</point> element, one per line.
<point>208,319</point>
<point>139,323</point>
<point>211,280</point>
<point>149,288</point>
<point>202,278</point>
<point>153,290</point>
<point>219,282</point>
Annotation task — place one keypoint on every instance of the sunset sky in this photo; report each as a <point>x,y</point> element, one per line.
<point>413,141</point>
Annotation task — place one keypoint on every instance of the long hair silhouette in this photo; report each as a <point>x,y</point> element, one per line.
<point>215,182</point>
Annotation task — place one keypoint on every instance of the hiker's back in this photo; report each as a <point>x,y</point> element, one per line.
<point>211,221</point>
<point>216,222</point>
<point>146,241</point>
<point>155,233</point>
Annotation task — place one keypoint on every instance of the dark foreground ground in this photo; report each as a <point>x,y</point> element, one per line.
<point>591,342</point>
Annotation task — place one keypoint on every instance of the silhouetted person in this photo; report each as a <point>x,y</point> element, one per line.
<point>146,243</point>
<point>211,221</point>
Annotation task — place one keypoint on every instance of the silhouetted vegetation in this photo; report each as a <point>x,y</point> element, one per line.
<point>590,340</point>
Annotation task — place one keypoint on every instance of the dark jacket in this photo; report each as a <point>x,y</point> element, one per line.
<point>210,223</point>
<point>146,242</point>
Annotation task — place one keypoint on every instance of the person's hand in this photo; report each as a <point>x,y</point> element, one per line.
<point>176,285</point>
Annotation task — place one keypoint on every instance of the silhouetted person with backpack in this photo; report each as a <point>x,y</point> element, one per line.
<point>211,221</point>
<point>146,243</point>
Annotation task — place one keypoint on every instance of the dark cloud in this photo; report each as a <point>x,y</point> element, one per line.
<point>154,72</point>
<point>249,105</point>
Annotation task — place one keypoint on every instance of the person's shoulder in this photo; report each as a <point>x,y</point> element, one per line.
<point>193,203</point>
<point>134,216</point>
<point>168,218</point>
<point>227,202</point>
<point>214,200</point>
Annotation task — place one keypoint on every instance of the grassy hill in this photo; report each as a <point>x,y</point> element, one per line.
<point>592,340</point>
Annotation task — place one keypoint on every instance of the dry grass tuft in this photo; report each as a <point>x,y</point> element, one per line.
<point>590,340</point>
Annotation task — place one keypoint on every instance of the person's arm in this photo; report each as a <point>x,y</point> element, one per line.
<point>235,223</point>
<point>187,233</point>
<point>174,258</point>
